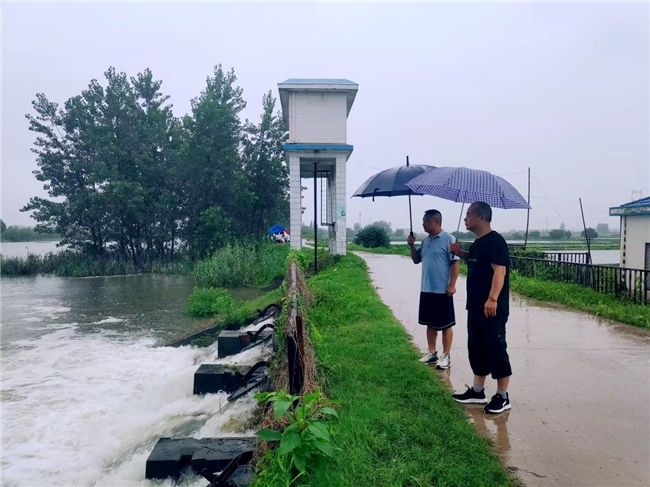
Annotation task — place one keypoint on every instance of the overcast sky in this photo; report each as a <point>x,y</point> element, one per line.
<point>562,88</point>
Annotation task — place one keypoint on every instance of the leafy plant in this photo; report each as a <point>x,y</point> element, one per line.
<point>372,237</point>
<point>242,265</point>
<point>307,437</point>
<point>299,257</point>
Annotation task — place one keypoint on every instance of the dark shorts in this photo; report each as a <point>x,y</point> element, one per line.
<point>437,311</point>
<point>486,345</point>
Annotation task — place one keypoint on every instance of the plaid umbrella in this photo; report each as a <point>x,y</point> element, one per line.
<point>464,185</point>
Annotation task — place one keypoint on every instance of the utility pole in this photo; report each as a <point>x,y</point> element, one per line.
<point>639,192</point>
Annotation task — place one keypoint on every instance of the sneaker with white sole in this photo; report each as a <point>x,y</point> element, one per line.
<point>444,362</point>
<point>498,404</point>
<point>470,396</point>
<point>430,358</point>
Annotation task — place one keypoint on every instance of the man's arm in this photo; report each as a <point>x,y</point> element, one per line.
<point>456,249</point>
<point>455,270</point>
<point>416,254</point>
<point>499,260</point>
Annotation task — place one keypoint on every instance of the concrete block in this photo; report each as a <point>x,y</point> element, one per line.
<point>231,342</point>
<point>171,456</point>
<point>213,378</point>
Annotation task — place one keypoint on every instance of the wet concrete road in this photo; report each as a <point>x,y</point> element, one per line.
<point>580,389</point>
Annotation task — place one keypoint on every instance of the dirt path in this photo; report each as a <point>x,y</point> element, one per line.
<point>580,390</point>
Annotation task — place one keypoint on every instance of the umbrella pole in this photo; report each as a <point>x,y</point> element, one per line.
<point>410,213</point>
<point>460,217</point>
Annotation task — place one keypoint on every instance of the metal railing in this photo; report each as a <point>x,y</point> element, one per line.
<point>574,257</point>
<point>628,284</point>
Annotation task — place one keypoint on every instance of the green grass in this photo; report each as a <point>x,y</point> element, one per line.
<point>242,266</point>
<point>582,298</point>
<point>218,303</point>
<point>399,425</point>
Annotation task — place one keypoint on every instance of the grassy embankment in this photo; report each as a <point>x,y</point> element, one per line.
<point>570,295</point>
<point>238,266</point>
<point>398,424</point>
<point>75,264</point>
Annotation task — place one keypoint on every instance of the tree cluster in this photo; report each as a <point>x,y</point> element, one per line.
<point>124,175</point>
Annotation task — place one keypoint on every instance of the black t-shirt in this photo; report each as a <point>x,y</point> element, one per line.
<point>485,251</point>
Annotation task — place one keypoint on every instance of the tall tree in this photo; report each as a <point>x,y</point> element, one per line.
<point>212,171</point>
<point>265,170</point>
<point>99,157</point>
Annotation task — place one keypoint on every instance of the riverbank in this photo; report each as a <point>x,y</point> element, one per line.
<point>573,296</point>
<point>398,424</point>
<point>74,264</point>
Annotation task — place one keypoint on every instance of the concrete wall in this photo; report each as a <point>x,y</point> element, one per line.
<point>295,200</point>
<point>635,233</point>
<point>318,118</point>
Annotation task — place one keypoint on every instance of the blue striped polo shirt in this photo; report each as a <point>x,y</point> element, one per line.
<point>436,262</point>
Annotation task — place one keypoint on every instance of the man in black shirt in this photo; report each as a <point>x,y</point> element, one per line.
<point>487,309</point>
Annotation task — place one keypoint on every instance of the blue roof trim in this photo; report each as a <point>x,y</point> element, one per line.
<point>317,81</point>
<point>638,207</point>
<point>323,147</point>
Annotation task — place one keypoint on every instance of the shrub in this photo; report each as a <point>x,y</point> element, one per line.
<point>372,237</point>
<point>242,266</point>
<point>212,301</point>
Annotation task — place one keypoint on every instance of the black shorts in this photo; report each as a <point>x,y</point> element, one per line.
<point>486,344</point>
<point>437,311</point>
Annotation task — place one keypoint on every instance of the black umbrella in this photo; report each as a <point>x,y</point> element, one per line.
<point>392,182</point>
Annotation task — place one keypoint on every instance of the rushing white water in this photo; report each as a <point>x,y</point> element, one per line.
<point>83,409</point>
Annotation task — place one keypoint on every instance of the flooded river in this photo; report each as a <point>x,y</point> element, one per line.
<point>86,388</point>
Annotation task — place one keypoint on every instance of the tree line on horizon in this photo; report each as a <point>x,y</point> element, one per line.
<point>126,177</point>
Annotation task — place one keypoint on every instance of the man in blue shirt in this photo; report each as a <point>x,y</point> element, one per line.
<point>440,270</point>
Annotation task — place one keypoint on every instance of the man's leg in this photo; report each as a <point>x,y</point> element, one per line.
<point>432,339</point>
<point>447,339</point>
<point>499,360</point>
<point>477,359</point>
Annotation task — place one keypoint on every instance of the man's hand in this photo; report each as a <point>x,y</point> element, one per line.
<point>455,248</point>
<point>411,240</point>
<point>490,308</point>
<point>451,290</point>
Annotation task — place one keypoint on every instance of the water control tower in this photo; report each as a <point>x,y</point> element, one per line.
<point>315,113</point>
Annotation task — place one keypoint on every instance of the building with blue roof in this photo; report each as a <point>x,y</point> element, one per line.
<point>315,113</point>
<point>635,233</point>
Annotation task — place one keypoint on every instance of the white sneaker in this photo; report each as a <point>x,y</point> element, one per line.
<point>430,358</point>
<point>444,362</point>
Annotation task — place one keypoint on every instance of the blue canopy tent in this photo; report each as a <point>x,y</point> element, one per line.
<point>277,229</point>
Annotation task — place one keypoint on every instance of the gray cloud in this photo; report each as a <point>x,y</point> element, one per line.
<point>562,88</point>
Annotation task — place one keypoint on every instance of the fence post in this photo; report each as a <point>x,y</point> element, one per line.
<point>295,341</point>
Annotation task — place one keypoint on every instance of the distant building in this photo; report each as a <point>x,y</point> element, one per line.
<point>635,233</point>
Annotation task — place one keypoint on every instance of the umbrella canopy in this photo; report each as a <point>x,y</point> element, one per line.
<point>391,182</point>
<point>464,185</point>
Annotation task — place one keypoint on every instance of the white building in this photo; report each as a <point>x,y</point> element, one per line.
<point>315,113</point>
<point>635,233</point>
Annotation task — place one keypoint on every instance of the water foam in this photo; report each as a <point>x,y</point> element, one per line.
<point>87,409</point>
